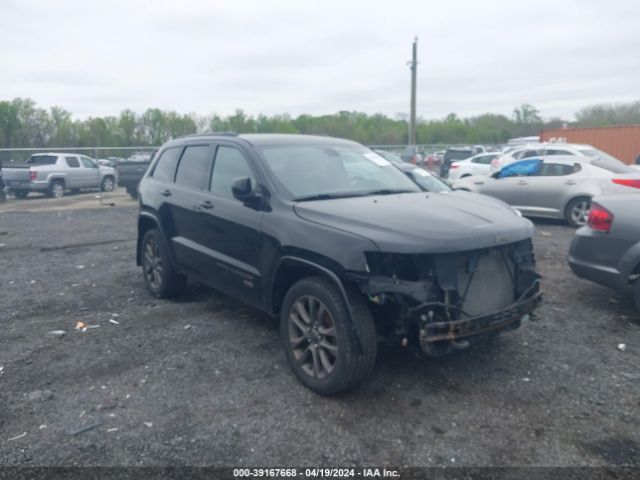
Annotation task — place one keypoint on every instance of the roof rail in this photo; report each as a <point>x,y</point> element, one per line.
<point>209,134</point>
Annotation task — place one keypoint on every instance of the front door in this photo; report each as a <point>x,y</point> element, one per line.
<point>232,233</point>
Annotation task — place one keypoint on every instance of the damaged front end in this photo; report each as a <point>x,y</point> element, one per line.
<point>446,301</point>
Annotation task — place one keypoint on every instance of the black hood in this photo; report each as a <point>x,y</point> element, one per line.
<point>422,222</point>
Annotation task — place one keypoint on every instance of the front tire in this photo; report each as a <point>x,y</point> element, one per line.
<point>577,211</point>
<point>108,184</point>
<point>314,327</point>
<point>160,277</point>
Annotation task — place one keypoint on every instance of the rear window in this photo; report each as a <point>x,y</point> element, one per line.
<point>612,165</point>
<point>195,167</point>
<point>42,160</point>
<point>165,168</point>
<point>457,154</point>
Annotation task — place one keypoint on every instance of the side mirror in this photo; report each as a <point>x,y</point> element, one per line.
<point>242,189</point>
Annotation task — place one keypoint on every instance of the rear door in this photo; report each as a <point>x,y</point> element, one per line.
<point>481,164</point>
<point>549,188</point>
<point>187,200</point>
<point>74,175</point>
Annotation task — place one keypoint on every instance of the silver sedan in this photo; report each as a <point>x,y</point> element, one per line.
<point>558,186</point>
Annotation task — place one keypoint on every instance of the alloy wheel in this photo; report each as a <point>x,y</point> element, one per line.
<point>58,190</point>
<point>313,336</point>
<point>153,268</point>
<point>107,185</point>
<point>580,212</point>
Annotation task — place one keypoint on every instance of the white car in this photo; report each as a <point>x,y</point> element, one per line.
<point>558,186</point>
<point>477,165</point>
<point>546,149</point>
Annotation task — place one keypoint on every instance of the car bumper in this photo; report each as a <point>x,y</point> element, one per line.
<point>506,319</point>
<point>595,256</point>
<point>26,186</point>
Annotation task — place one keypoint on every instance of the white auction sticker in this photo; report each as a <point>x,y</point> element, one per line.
<point>377,159</point>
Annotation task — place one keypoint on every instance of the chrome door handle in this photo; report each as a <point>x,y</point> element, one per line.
<point>522,182</point>
<point>569,182</point>
<point>166,193</point>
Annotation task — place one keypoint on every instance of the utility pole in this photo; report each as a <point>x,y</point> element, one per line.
<point>414,70</point>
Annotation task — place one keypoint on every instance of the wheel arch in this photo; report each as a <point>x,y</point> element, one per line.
<point>148,221</point>
<point>290,270</point>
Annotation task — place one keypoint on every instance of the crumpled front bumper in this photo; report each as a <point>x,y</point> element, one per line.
<point>505,319</point>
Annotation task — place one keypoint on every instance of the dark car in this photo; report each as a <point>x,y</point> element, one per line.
<point>131,172</point>
<point>338,243</point>
<point>607,250</point>
<point>454,154</point>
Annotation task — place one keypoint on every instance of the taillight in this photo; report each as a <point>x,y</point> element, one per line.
<point>32,175</point>
<point>454,165</point>
<point>600,218</point>
<point>627,182</point>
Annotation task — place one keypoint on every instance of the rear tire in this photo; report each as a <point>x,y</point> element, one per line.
<point>56,189</point>
<point>577,211</point>
<point>21,194</point>
<point>318,343</point>
<point>160,277</point>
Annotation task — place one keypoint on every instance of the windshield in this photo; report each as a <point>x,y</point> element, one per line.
<point>392,157</point>
<point>428,182</point>
<point>331,171</point>
<point>457,154</point>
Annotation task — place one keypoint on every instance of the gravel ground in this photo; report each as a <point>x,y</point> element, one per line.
<point>203,380</point>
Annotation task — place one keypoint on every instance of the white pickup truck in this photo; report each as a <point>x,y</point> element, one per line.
<point>53,173</point>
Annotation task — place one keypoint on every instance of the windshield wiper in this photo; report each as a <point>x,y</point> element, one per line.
<point>389,191</point>
<point>327,196</point>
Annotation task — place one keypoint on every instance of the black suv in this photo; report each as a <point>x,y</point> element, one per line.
<point>453,154</point>
<point>336,241</point>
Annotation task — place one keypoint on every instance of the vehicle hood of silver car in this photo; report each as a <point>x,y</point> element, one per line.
<point>422,222</point>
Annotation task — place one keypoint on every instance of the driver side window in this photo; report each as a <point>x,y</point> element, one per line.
<point>229,164</point>
<point>519,169</point>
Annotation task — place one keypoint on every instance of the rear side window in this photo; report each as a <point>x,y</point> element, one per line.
<point>230,164</point>
<point>558,169</point>
<point>557,152</point>
<point>165,169</point>
<point>42,160</point>
<point>194,167</point>
<point>72,162</point>
<point>484,159</point>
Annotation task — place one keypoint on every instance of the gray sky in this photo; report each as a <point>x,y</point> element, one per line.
<point>316,57</point>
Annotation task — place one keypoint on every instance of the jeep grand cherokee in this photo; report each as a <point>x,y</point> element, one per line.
<point>336,241</point>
